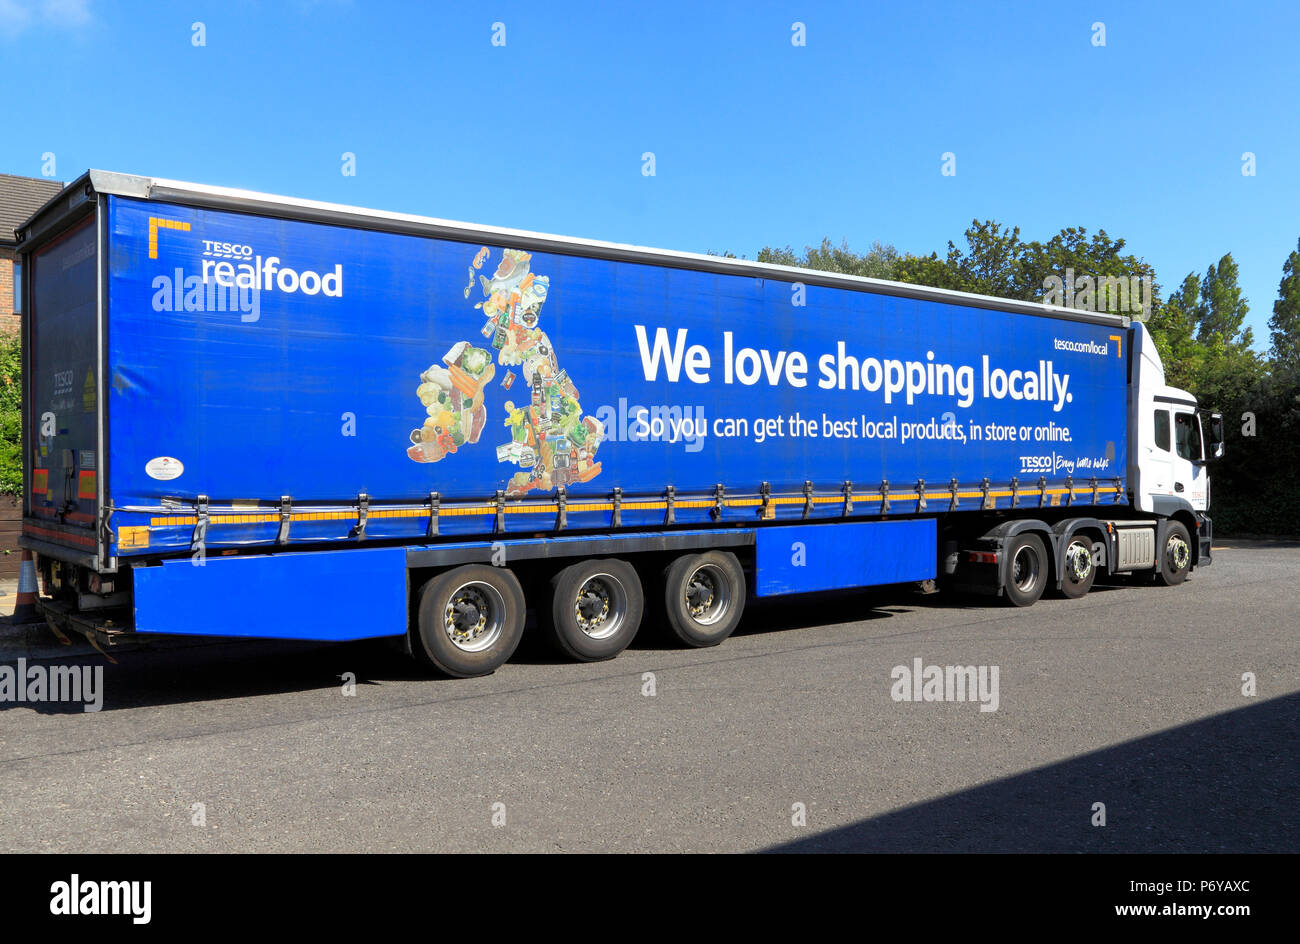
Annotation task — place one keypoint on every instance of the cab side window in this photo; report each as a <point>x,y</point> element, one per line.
<point>1162,430</point>
<point>1187,436</point>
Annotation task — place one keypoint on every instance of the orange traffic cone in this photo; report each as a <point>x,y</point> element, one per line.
<point>25,609</point>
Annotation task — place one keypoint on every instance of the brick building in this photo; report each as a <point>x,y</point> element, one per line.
<point>20,197</point>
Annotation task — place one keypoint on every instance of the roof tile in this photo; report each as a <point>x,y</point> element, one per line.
<point>20,197</point>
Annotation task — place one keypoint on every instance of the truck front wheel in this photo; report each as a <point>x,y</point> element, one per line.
<point>1026,575</point>
<point>1176,560</point>
<point>704,597</point>
<point>596,609</point>
<point>470,620</point>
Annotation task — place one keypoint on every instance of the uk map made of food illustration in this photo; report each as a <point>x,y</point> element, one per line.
<point>548,438</point>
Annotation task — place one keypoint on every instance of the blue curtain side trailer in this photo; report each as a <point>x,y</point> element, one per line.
<point>363,424</point>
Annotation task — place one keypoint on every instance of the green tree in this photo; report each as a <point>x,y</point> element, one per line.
<point>11,423</point>
<point>1174,327</point>
<point>876,263</point>
<point>1284,325</point>
<point>1096,257</point>
<point>929,270</point>
<point>996,261</point>
<point>1202,342</point>
<point>991,263</point>
<point>1256,482</point>
<point>1224,307</point>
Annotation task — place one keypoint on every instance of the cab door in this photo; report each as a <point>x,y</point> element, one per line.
<point>1188,458</point>
<point>1158,454</point>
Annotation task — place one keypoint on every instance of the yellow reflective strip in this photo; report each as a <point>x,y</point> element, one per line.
<point>1028,492</point>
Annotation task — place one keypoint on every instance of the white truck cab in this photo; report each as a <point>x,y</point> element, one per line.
<point>1171,449</point>
<point>1169,454</point>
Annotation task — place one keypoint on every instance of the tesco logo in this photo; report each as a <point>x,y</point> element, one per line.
<point>221,250</point>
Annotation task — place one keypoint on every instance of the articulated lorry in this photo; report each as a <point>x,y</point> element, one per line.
<point>254,416</point>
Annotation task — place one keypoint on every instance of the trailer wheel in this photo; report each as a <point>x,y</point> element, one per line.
<point>704,597</point>
<point>596,609</point>
<point>1176,561</point>
<point>1026,575</point>
<point>470,620</point>
<point>1080,568</point>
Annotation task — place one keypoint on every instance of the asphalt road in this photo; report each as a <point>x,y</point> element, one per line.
<point>1131,697</point>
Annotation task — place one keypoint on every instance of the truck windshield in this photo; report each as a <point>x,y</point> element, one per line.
<point>1187,436</point>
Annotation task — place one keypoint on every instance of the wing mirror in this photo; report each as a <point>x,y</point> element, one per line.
<point>1215,436</point>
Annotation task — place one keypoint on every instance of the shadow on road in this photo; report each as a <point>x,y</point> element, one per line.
<point>210,670</point>
<point>1223,784</point>
<point>201,670</point>
<point>239,669</point>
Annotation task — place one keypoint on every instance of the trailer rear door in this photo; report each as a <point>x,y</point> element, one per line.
<point>62,410</point>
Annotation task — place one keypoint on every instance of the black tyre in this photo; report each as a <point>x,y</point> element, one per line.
<point>596,609</point>
<point>470,620</point>
<point>704,597</point>
<point>1080,569</point>
<point>1176,557</point>
<point>1026,573</point>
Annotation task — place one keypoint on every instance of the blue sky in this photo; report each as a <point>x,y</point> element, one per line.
<point>756,141</point>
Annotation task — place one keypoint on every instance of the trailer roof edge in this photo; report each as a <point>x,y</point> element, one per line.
<point>156,188</point>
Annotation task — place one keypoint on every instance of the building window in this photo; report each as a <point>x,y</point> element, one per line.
<point>18,288</point>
